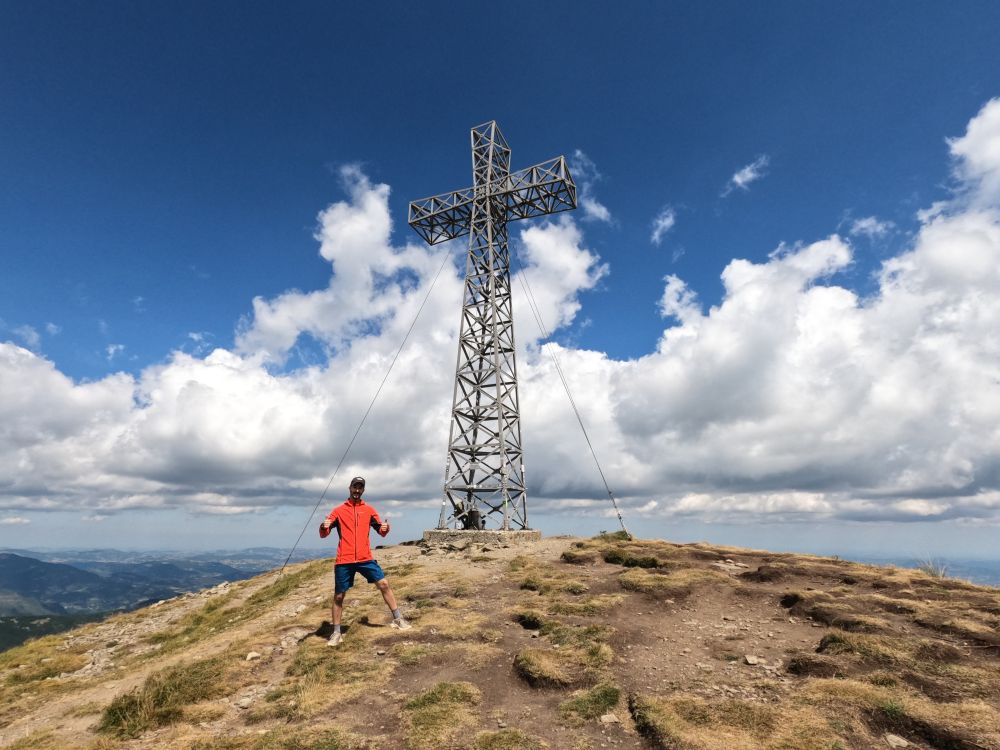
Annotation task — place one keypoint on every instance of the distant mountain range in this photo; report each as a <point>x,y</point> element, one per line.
<point>43,592</point>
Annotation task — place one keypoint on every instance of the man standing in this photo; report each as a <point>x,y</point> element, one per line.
<point>353,520</point>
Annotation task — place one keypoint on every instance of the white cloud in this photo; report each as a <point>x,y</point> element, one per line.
<point>791,397</point>
<point>94,518</point>
<point>139,303</point>
<point>14,521</point>
<point>977,156</point>
<point>585,175</point>
<point>113,350</point>
<point>231,431</point>
<point>28,335</point>
<point>663,223</point>
<point>871,227</point>
<point>52,329</point>
<point>752,172</point>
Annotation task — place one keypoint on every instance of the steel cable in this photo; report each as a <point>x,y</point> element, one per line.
<point>367,411</point>
<point>562,377</point>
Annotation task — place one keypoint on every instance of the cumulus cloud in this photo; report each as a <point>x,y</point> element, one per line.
<point>871,227</point>
<point>663,222</point>
<point>585,175</point>
<point>752,172</point>
<point>790,397</point>
<point>230,431</point>
<point>977,156</point>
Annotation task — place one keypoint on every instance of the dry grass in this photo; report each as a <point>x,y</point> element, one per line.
<point>47,740</point>
<point>507,739</point>
<point>562,667</point>
<point>673,585</point>
<point>579,554</point>
<point>217,615</point>
<point>283,739</point>
<point>967,724</point>
<point>163,697</point>
<point>586,606</point>
<point>434,717</point>
<point>39,659</point>
<point>836,608</point>
<point>684,722</point>
<point>591,704</point>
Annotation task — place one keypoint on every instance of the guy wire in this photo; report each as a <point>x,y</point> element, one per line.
<point>555,360</point>
<point>367,411</point>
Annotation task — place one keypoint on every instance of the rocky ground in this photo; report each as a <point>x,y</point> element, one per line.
<point>561,643</point>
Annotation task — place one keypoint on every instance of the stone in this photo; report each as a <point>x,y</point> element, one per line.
<point>253,656</point>
<point>610,718</point>
<point>462,538</point>
<point>894,740</point>
<point>380,652</point>
<point>753,660</point>
<point>244,703</point>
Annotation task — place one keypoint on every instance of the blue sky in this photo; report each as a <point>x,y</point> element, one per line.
<point>161,167</point>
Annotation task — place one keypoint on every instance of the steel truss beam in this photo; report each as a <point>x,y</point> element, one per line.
<point>484,474</point>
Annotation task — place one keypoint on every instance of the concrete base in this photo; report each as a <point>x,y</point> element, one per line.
<point>465,537</point>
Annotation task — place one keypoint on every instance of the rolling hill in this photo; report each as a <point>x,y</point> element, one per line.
<point>562,643</point>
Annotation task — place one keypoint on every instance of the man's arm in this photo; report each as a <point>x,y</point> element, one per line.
<point>328,523</point>
<point>382,527</point>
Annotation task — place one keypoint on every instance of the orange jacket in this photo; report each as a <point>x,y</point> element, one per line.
<point>353,523</point>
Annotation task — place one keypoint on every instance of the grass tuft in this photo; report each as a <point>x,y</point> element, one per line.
<point>163,696</point>
<point>684,722</point>
<point>675,585</point>
<point>591,704</point>
<point>579,557</point>
<point>933,568</point>
<point>543,669</point>
<point>434,717</point>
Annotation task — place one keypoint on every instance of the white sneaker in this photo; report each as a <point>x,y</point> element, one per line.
<point>400,624</point>
<point>335,640</point>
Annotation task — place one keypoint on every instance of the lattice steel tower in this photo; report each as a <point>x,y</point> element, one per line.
<point>484,474</point>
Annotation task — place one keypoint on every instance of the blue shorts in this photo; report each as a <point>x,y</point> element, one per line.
<point>343,574</point>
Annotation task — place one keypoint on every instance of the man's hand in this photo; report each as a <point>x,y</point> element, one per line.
<point>325,525</point>
<point>384,528</point>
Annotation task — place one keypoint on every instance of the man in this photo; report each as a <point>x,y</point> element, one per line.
<point>353,520</point>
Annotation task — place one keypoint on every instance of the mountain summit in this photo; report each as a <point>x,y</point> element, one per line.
<point>561,643</point>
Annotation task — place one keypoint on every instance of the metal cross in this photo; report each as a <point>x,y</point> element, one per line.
<point>484,474</point>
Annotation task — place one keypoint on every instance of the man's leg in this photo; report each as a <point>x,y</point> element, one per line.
<point>342,579</point>
<point>390,601</point>
<point>386,590</point>
<point>338,607</point>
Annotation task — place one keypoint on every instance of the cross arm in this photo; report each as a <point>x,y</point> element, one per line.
<point>442,217</point>
<point>545,188</point>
